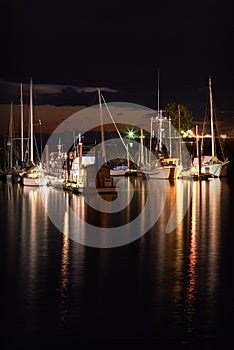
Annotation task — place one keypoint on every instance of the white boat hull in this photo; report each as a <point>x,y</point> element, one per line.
<point>118,172</point>
<point>211,165</point>
<point>158,173</point>
<point>36,181</point>
<point>216,169</point>
<point>168,168</point>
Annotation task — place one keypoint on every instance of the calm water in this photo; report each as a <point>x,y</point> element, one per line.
<point>161,289</point>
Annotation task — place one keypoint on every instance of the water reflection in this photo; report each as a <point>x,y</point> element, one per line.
<point>64,279</point>
<point>198,252</point>
<point>99,227</point>
<point>162,282</point>
<point>190,296</point>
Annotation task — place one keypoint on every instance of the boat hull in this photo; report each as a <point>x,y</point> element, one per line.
<point>216,169</point>
<point>168,168</point>
<point>158,173</point>
<point>36,181</point>
<point>121,171</point>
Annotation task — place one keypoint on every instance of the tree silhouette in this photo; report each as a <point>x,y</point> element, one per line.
<point>181,117</point>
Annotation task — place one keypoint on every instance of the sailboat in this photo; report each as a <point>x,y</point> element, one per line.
<point>162,167</point>
<point>211,165</point>
<point>92,175</point>
<point>34,175</point>
<point>18,173</point>
<point>9,172</point>
<point>115,169</point>
<point>13,169</point>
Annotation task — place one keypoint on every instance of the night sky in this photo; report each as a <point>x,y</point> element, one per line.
<point>120,45</point>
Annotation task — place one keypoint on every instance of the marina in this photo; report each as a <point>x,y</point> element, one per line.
<point>116,175</point>
<point>160,154</point>
<point>93,240</point>
<point>56,288</point>
<point>122,229</point>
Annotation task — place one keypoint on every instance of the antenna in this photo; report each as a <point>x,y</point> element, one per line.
<point>158,88</point>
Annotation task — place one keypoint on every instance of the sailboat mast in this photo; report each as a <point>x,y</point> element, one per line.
<point>128,163</point>
<point>180,144</point>
<point>160,131</point>
<point>115,125</point>
<point>11,137</point>
<point>211,121</point>
<point>142,147</point>
<point>160,120</point>
<point>22,123</point>
<point>151,135</point>
<point>31,122</point>
<point>197,140</point>
<point>80,151</point>
<point>170,146</point>
<point>102,128</point>
<point>158,90</point>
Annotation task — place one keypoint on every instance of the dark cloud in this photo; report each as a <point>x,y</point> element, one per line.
<point>10,91</point>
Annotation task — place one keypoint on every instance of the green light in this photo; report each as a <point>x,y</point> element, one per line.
<point>131,134</point>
